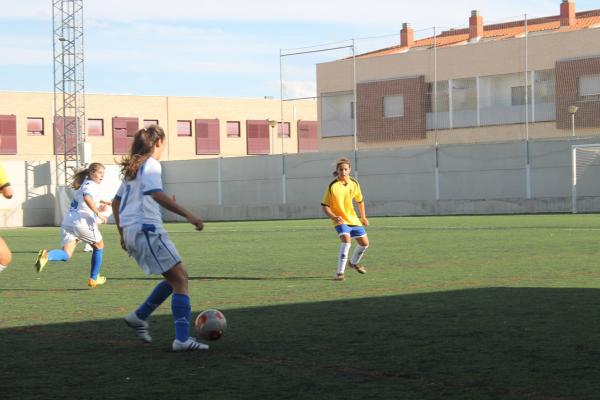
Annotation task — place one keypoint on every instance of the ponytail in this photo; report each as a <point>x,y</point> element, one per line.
<point>141,149</point>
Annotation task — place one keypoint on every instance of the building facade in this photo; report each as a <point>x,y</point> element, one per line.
<point>530,78</point>
<point>196,127</point>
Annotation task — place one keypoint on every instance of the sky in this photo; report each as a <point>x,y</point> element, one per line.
<point>225,48</point>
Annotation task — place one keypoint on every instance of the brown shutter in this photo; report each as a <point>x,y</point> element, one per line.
<point>60,124</point>
<point>257,132</point>
<point>123,131</point>
<point>8,134</point>
<point>307,137</point>
<point>207,136</point>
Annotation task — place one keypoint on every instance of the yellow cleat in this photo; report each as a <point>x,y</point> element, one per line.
<point>41,260</point>
<point>100,280</point>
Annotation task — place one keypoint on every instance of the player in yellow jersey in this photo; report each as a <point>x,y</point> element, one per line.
<point>7,192</point>
<point>337,205</point>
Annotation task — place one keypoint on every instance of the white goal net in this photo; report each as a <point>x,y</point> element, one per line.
<point>585,172</point>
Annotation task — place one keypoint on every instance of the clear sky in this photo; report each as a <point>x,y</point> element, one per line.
<point>224,48</point>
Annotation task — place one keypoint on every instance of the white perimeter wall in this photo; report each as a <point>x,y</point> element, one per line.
<point>486,178</point>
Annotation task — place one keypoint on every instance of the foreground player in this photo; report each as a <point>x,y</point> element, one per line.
<point>81,224</point>
<point>137,213</point>
<point>337,205</point>
<point>7,192</point>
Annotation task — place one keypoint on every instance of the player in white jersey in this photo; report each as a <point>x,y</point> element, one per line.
<point>81,223</point>
<point>137,212</point>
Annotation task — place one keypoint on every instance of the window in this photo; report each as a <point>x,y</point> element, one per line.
<point>233,129</point>
<point>337,114</point>
<point>283,130</point>
<point>124,130</point>
<point>8,134</point>
<point>257,132</point>
<point>65,134</point>
<point>352,108</point>
<point>393,106</point>
<point>35,126</point>
<point>148,122</point>
<point>207,136</point>
<point>95,127</point>
<point>518,95</point>
<point>308,140</point>
<point>589,87</point>
<point>184,128</point>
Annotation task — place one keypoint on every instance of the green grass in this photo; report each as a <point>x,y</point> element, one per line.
<point>476,307</point>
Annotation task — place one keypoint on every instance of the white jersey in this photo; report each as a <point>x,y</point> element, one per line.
<point>79,209</point>
<point>137,205</point>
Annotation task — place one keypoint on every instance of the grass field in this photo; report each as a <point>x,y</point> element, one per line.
<point>475,307</point>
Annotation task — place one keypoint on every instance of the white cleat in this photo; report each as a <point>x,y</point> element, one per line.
<point>139,325</point>
<point>189,345</point>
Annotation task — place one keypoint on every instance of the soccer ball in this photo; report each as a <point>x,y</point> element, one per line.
<point>211,324</point>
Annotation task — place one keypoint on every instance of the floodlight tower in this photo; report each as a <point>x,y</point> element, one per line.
<point>69,93</point>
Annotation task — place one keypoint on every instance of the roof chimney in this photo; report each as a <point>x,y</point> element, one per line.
<point>407,35</point>
<point>567,13</point>
<point>475,26</point>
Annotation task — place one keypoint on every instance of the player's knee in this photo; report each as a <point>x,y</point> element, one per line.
<point>6,258</point>
<point>99,245</point>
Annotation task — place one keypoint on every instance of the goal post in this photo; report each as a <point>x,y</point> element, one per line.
<point>583,156</point>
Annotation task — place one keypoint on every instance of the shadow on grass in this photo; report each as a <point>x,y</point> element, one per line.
<point>495,343</point>
<point>228,278</point>
<point>42,290</point>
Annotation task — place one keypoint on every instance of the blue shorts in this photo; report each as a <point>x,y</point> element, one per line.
<point>353,230</point>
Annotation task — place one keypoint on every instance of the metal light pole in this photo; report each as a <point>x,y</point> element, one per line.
<point>272,124</point>
<point>572,110</point>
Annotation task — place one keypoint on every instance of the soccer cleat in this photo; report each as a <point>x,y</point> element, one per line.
<point>41,260</point>
<point>88,248</point>
<point>189,345</point>
<point>339,277</point>
<point>139,325</point>
<point>100,280</point>
<point>359,268</point>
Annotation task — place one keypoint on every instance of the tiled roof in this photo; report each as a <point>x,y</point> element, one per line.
<point>585,20</point>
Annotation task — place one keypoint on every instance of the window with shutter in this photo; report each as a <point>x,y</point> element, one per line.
<point>207,136</point>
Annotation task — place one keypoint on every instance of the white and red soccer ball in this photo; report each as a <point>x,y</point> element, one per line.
<point>211,324</point>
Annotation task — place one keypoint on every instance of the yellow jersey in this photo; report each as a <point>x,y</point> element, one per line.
<point>3,178</point>
<point>339,195</point>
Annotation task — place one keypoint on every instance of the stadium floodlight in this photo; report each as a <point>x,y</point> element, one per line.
<point>572,110</point>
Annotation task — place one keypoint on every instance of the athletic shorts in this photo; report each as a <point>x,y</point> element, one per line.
<point>83,229</point>
<point>151,247</point>
<point>354,231</point>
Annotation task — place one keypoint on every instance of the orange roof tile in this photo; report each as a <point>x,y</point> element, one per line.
<point>585,20</point>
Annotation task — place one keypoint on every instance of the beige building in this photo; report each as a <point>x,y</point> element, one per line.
<point>524,79</point>
<point>196,127</point>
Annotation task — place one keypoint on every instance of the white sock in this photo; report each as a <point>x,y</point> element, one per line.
<point>359,251</point>
<point>343,257</point>
<point>2,267</point>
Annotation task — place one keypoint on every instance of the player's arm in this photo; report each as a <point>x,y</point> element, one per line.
<point>107,202</point>
<point>116,205</point>
<point>168,203</point>
<point>90,203</point>
<point>335,218</point>
<point>7,191</point>
<point>362,213</point>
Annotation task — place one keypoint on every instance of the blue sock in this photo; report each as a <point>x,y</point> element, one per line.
<point>156,298</point>
<point>58,255</point>
<point>180,305</point>
<point>96,263</point>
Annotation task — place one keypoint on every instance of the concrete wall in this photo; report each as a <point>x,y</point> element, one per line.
<point>472,179</point>
<point>484,178</point>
